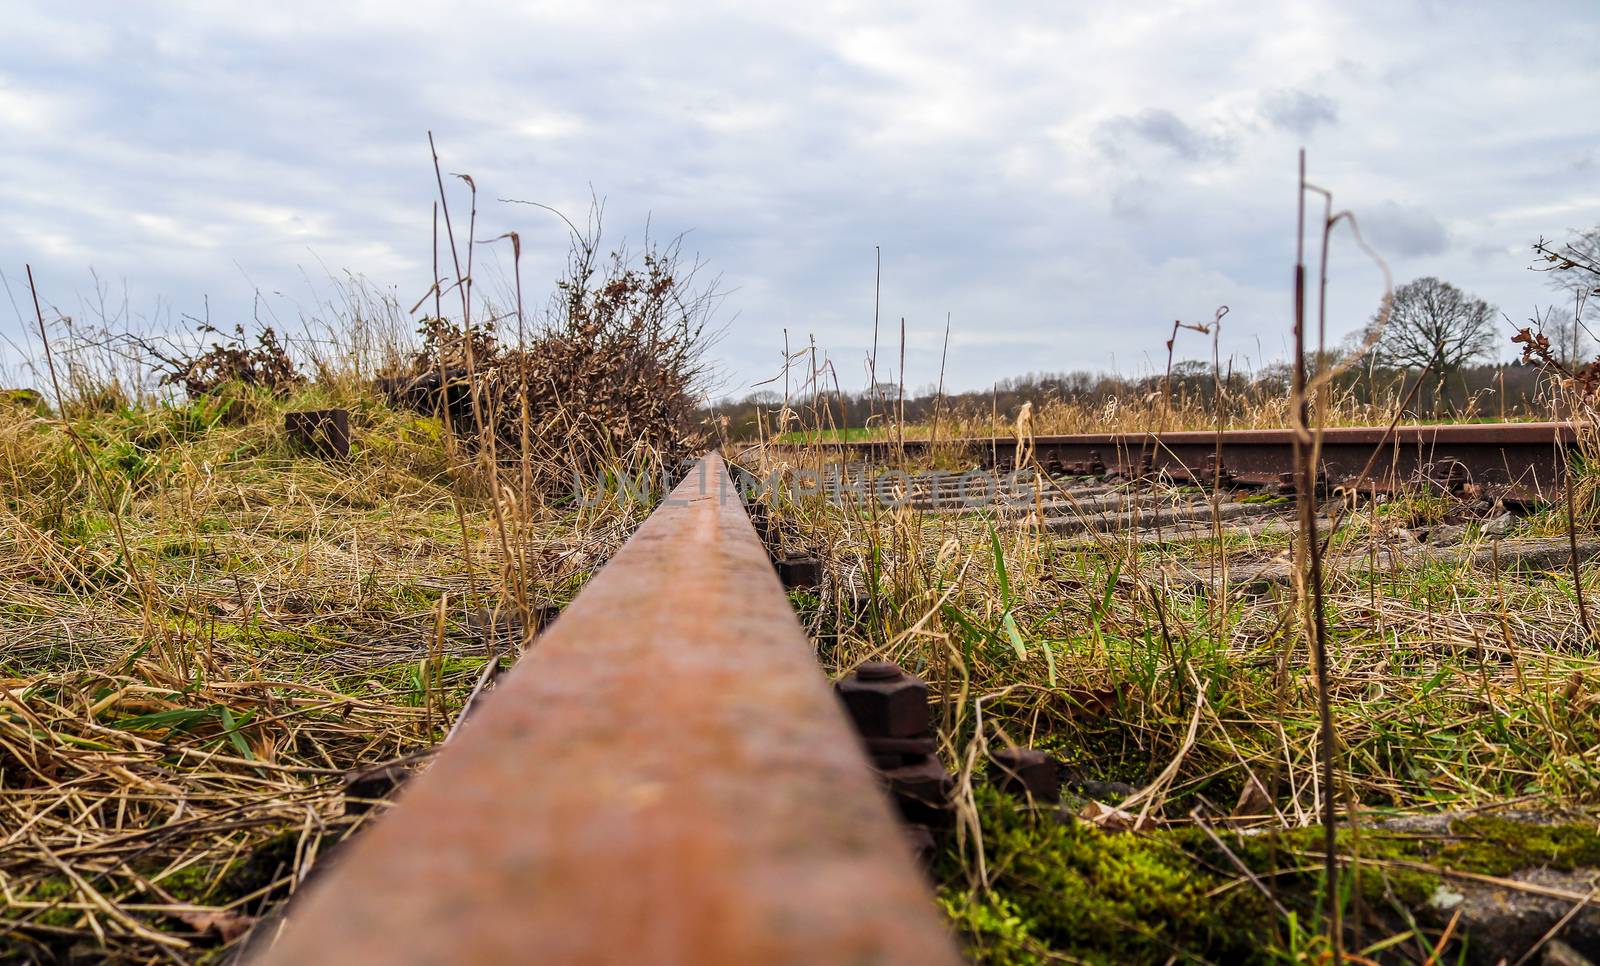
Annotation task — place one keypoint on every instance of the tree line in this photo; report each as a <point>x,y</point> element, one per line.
<point>1434,355</point>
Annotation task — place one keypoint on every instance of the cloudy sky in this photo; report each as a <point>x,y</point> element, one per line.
<point>1064,180</point>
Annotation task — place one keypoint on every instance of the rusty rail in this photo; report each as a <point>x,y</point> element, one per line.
<point>1526,460</point>
<point>663,778</point>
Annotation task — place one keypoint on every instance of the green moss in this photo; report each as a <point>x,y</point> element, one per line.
<point>192,883</point>
<point>53,888</point>
<point>183,548</point>
<point>1395,864</point>
<point>262,866</point>
<point>402,597</point>
<point>1497,846</point>
<point>1069,888</point>
<point>1269,499</point>
<point>311,639</point>
<point>214,524</point>
<point>996,932</point>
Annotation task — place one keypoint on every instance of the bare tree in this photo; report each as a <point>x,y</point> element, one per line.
<point>1435,326</point>
<point>1574,266</point>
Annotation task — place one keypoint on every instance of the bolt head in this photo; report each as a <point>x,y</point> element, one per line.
<point>878,671</point>
<point>893,707</point>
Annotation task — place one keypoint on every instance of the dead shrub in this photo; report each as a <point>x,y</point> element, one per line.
<point>612,373</point>
<point>230,361</point>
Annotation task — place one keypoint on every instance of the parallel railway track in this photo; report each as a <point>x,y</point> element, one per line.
<point>1524,461</point>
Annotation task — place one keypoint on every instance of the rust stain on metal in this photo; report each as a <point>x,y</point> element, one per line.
<point>664,778</point>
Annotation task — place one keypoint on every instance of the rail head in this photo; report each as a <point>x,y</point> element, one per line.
<point>1516,462</point>
<point>1530,433</point>
<point>665,777</point>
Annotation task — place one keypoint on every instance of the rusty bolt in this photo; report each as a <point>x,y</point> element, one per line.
<point>325,432</point>
<point>1216,472</point>
<point>1026,773</point>
<point>1097,466</point>
<point>885,702</point>
<point>1449,475</point>
<point>879,671</point>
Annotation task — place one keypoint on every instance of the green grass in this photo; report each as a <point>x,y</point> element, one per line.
<point>832,435</point>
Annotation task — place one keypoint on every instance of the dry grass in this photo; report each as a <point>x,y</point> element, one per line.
<point>1254,407</point>
<point>175,727</point>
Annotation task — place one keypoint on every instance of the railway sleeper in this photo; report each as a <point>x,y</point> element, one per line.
<point>1139,519</point>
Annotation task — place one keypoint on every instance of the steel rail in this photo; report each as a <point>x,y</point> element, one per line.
<point>665,777</point>
<point>1527,458</point>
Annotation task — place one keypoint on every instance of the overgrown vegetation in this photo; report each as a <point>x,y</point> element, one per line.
<point>614,370</point>
<point>1062,889</point>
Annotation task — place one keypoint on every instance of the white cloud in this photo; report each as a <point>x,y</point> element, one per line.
<point>1298,111</point>
<point>1404,230</point>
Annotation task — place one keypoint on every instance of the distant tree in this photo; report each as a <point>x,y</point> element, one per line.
<point>1275,377</point>
<point>1570,340</point>
<point>1436,326</point>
